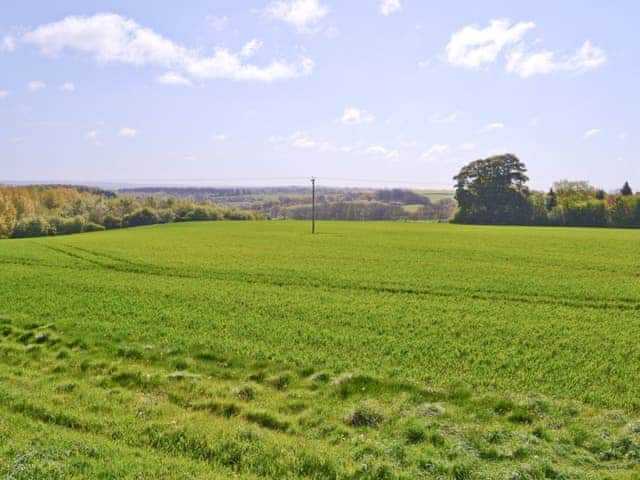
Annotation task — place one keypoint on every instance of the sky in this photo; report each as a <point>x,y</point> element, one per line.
<point>358,92</point>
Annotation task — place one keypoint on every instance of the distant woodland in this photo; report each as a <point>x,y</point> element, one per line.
<point>332,203</point>
<point>56,210</point>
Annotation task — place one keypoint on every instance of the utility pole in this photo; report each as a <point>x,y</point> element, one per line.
<point>313,205</point>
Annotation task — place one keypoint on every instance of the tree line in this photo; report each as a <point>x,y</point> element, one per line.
<point>493,191</point>
<point>55,210</point>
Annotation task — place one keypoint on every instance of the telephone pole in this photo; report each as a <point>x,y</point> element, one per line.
<point>313,205</point>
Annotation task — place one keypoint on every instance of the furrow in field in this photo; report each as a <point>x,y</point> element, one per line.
<point>115,263</point>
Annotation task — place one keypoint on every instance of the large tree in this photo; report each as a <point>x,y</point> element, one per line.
<point>493,191</point>
<point>626,189</point>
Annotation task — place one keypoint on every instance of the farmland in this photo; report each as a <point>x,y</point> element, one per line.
<point>370,350</point>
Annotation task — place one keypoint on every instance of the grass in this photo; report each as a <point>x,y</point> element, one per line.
<point>371,350</point>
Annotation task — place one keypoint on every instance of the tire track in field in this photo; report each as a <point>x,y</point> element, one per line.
<point>118,264</point>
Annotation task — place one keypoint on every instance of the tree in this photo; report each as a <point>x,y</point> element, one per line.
<point>493,191</point>
<point>626,189</point>
<point>552,199</point>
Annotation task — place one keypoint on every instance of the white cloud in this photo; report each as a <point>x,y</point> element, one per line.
<point>92,135</point>
<point>376,150</point>
<point>250,48</point>
<point>445,153</point>
<point>301,140</point>
<point>127,132</point>
<point>526,64</point>
<point>591,133</point>
<point>473,47</point>
<point>435,151</point>
<point>332,32</point>
<point>3,94</point>
<point>111,38</point>
<point>174,79</point>
<point>380,151</point>
<point>448,118</point>
<point>492,127</point>
<point>36,85</point>
<point>623,135</point>
<point>219,137</point>
<point>217,23</point>
<point>68,87</point>
<point>225,64</point>
<point>304,15</point>
<point>423,64</point>
<point>387,7</point>
<point>8,44</point>
<point>356,116</point>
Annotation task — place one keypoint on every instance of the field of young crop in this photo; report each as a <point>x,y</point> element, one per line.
<point>367,351</point>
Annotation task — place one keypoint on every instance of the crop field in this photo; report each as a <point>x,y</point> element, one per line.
<point>367,351</point>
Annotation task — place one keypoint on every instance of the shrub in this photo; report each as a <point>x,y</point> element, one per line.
<point>590,213</point>
<point>93,227</point>
<point>364,416</point>
<point>142,216</point>
<point>415,435</point>
<point>31,227</point>
<point>203,212</point>
<point>111,222</point>
<point>70,225</point>
<point>237,215</point>
<point>166,215</point>
<point>625,211</point>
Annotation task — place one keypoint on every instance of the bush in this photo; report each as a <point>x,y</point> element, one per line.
<point>365,415</point>
<point>70,225</point>
<point>111,222</point>
<point>625,211</point>
<point>590,213</point>
<point>237,215</point>
<point>142,216</point>
<point>203,212</point>
<point>93,227</point>
<point>31,227</point>
<point>166,215</point>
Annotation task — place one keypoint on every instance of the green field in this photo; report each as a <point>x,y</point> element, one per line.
<point>370,350</point>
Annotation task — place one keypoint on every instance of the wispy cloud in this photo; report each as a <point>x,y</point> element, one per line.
<point>174,79</point>
<point>491,127</point>
<point>3,94</point>
<point>526,64</point>
<point>8,44</point>
<point>304,15</point>
<point>111,38</point>
<point>388,7</point>
<point>219,137</point>
<point>474,47</point>
<point>303,141</point>
<point>444,118</point>
<point>356,116</point>
<point>68,87</point>
<point>591,133</point>
<point>217,23</point>
<point>250,48</point>
<point>447,153</point>
<point>128,132</point>
<point>36,85</point>
<point>435,151</point>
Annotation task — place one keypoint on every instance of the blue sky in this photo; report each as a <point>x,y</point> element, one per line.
<point>354,92</point>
